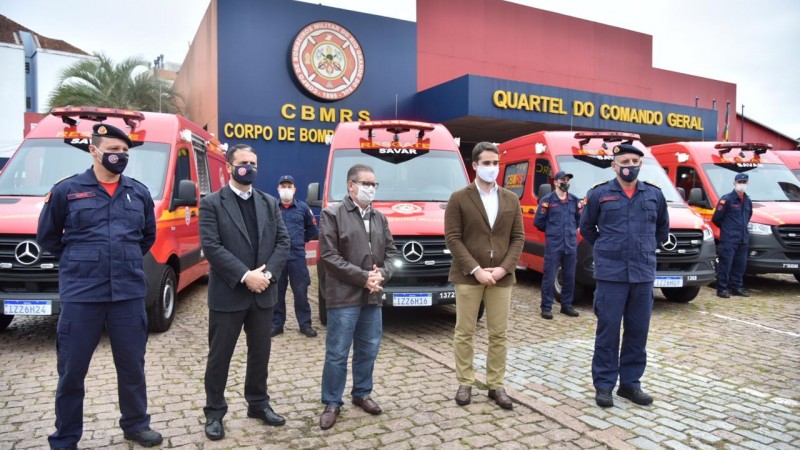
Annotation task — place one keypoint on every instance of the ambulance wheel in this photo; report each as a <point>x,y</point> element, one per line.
<point>682,294</point>
<point>481,309</point>
<point>162,308</point>
<point>5,321</point>
<point>580,291</point>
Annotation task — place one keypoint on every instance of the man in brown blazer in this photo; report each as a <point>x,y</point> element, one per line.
<point>484,232</point>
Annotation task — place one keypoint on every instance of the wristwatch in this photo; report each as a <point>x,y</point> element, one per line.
<point>268,275</point>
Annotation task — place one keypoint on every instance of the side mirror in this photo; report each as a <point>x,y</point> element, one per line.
<point>682,191</point>
<point>312,198</point>
<point>697,198</point>
<point>544,189</point>
<point>187,195</point>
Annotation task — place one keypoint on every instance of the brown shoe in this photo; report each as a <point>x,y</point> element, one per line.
<point>501,398</point>
<point>464,395</point>
<point>368,405</point>
<point>328,417</point>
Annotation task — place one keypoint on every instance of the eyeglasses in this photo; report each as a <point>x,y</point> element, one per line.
<point>367,184</point>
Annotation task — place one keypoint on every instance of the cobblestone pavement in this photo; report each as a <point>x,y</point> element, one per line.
<point>724,373</point>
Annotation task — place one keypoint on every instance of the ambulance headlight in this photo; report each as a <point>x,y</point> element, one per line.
<point>759,229</point>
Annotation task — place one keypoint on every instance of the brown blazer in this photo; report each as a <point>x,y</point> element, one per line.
<point>471,241</point>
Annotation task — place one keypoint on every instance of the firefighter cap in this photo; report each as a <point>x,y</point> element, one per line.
<point>109,131</point>
<point>286,179</point>
<point>561,174</point>
<point>622,149</point>
<point>741,177</point>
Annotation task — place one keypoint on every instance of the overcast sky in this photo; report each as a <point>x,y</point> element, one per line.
<point>753,44</point>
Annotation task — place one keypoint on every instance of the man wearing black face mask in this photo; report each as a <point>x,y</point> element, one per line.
<point>625,221</point>
<point>100,224</point>
<point>557,216</point>
<point>246,243</point>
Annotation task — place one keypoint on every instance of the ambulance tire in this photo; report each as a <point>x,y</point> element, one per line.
<point>682,294</point>
<point>5,321</point>
<point>580,293</point>
<point>481,309</point>
<point>162,309</point>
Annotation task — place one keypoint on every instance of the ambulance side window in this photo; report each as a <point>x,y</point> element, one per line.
<point>515,176</point>
<point>183,170</point>
<point>687,178</point>
<point>201,161</point>
<point>541,176</point>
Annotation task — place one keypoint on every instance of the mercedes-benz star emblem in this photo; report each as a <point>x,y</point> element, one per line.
<point>671,243</point>
<point>412,251</point>
<point>27,252</point>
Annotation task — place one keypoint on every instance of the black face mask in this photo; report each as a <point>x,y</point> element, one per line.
<point>629,173</point>
<point>564,186</point>
<point>115,162</point>
<point>244,174</point>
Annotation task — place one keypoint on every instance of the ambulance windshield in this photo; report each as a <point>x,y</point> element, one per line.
<point>427,176</point>
<point>767,182</point>
<point>39,163</point>
<point>589,170</point>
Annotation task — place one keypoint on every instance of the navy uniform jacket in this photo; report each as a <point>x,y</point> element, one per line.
<point>559,221</point>
<point>732,216</point>
<point>100,241</point>
<point>301,226</point>
<point>625,232</point>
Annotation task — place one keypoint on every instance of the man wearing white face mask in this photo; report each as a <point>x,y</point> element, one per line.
<point>302,227</point>
<point>357,254</point>
<point>483,230</point>
<point>732,216</point>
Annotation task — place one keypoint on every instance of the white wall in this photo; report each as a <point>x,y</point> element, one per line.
<point>49,65</point>
<point>12,97</point>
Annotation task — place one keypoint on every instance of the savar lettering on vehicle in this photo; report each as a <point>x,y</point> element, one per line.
<point>176,159</point>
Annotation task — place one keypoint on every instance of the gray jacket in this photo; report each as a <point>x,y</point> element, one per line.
<point>345,255</point>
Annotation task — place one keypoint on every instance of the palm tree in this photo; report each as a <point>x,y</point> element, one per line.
<point>101,82</point>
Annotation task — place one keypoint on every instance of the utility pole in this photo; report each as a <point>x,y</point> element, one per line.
<point>158,64</point>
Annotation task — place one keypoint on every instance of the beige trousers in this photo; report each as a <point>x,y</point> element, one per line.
<point>468,301</point>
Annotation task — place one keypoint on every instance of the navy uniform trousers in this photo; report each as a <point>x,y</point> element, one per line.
<point>732,264</point>
<point>613,301</point>
<point>567,259</point>
<point>80,327</point>
<point>296,274</point>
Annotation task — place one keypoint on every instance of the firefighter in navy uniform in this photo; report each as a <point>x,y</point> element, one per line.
<point>732,215</point>
<point>100,224</point>
<point>625,220</point>
<point>302,227</point>
<point>558,216</point>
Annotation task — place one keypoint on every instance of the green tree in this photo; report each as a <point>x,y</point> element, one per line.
<point>127,85</point>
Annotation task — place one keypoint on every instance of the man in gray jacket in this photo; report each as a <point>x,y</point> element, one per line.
<point>356,256</point>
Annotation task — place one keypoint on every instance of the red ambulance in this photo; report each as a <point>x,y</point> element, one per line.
<point>527,164</point>
<point>176,159</point>
<point>418,166</point>
<point>705,170</point>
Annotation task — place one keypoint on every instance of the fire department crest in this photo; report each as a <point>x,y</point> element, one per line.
<point>327,60</point>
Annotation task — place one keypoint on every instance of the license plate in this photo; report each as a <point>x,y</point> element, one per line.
<point>668,282</point>
<point>27,307</point>
<point>412,299</point>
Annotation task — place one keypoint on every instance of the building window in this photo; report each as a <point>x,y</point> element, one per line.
<point>27,67</point>
<point>27,103</point>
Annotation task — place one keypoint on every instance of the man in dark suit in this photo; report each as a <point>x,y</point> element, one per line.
<point>246,243</point>
<point>484,232</point>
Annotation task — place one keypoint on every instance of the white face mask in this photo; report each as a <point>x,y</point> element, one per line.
<point>741,187</point>
<point>286,194</point>
<point>488,173</point>
<point>365,194</point>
